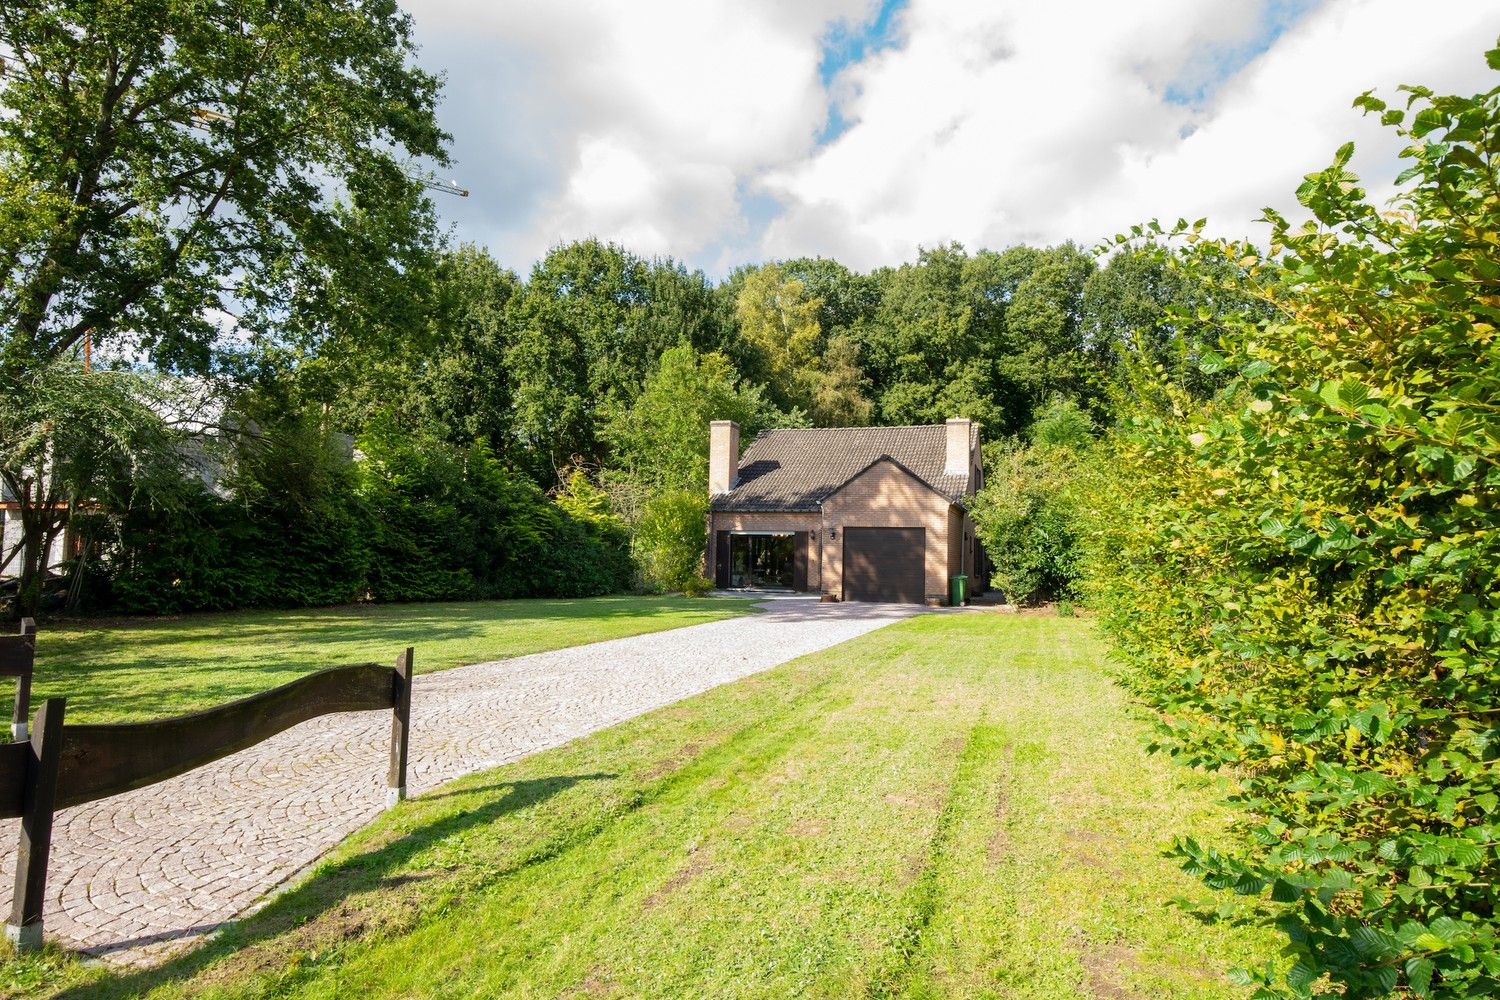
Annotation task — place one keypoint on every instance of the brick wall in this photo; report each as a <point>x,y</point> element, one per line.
<point>885,496</point>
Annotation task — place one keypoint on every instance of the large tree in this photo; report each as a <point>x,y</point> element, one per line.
<point>168,161</point>
<point>590,326</point>
<point>170,166</point>
<point>661,440</point>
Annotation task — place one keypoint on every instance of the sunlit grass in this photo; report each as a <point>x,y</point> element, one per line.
<point>137,668</point>
<point>954,806</point>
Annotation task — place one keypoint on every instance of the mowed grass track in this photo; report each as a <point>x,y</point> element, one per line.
<point>953,806</point>
<point>131,669</point>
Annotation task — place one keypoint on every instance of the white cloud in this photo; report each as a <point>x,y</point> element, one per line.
<point>634,122</point>
<point>666,125</point>
<point>1044,122</point>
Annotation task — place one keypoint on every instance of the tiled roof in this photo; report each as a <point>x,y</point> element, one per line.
<point>797,468</point>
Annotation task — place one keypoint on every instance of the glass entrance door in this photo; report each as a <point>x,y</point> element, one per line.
<point>761,560</point>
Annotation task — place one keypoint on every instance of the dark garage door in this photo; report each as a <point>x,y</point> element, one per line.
<point>884,564</point>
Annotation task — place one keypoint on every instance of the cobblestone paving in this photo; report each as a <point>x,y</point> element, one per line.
<point>139,876</point>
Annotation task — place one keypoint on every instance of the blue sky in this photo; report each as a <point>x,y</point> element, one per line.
<point>849,44</point>
<point>722,133</point>
<point>1220,63</point>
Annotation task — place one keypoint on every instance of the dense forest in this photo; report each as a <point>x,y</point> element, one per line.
<point>519,434</point>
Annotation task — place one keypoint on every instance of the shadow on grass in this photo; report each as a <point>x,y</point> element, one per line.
<point>209,658</point>
<point>375,869</point>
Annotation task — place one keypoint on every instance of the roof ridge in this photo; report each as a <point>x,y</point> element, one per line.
<point>868,427</point>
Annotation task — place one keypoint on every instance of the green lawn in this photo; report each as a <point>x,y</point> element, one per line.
<point>130,669</point>
<point>953,806</point>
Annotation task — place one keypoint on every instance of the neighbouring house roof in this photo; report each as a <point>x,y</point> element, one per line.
<point>797,468</point>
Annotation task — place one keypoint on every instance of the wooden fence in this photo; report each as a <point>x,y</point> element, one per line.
<point>18,659</point>
<point>61,765</point>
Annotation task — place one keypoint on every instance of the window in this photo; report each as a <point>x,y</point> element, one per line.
<point>761,560</point>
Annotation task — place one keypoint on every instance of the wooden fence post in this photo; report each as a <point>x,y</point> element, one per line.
<point>21,714</point>
<point>395,790</point>
<point>25,927</point>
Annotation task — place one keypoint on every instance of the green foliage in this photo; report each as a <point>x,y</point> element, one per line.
<point>670,539</point>
<point>990,336</point>
<point>163,161</point>
<point>1026,515</point>
<point>840,398</point>
<point>589,328</point>
<point>661,440</point>
<point>1147,320</point>
<point>455,523</point>
<point>73,442</point>
<point>442,377</point>
<point>413,520</point>
<point>1061,424</point>
<point>1304,574</point>
<point>291,533</point>
<point>1026,518</point>
<point>779,323</point>
<point>592,545</point>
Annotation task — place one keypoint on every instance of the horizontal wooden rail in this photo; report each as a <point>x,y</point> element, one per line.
<point>102,760</point>
<point>65,765</point>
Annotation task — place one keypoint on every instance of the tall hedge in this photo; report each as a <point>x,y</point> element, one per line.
<point>411,519</point>
<point>1304,576</point>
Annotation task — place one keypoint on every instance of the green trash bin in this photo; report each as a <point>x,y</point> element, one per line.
<point>958,590</point>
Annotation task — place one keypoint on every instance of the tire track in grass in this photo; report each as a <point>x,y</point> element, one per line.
<point>751,751</point>
<point>970,790</point>
<point>769,721</point>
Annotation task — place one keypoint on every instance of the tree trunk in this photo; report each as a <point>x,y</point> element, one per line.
<point>40,523</point>
<point>29,591</point>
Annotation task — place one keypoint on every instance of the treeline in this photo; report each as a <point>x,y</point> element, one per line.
<point>548,436</point>
<point>539,367</point>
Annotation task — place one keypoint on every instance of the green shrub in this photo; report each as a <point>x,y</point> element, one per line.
<point>670,539</point>
<point>291,534</point>
<point>1025,518</point>
<point>1304,576</point>
<point>697,586</point>
<point>415,519</point>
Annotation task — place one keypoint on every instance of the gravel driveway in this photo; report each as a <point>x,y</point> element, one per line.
<point>138,876</point>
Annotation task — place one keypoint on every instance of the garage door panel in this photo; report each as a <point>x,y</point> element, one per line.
<point>885,564</point>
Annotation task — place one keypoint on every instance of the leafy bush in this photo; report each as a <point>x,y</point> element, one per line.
<point>291,534</point>
<point>697,586</point>
<point>414,519</point>
<point>670,538</point>
<point>1025,516</point>
<point>1304,575</point>
<point>1061,424</point>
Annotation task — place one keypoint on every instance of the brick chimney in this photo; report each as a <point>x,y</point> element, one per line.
<point>957,460</point>
<point>723,455</point>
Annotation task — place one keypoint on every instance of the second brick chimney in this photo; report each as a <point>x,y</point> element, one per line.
<point>957,459</point>
<point>723,455</point>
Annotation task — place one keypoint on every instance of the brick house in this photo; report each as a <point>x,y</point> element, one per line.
<point>853,513</point>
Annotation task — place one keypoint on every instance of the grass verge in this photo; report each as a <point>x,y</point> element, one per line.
<point>140,668</point>
<point>953,806</point>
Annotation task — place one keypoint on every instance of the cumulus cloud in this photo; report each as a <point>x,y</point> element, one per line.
<point>702,129</point>
<point>636,122</point>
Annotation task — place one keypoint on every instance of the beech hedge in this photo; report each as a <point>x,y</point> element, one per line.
<point>1303,576</point>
